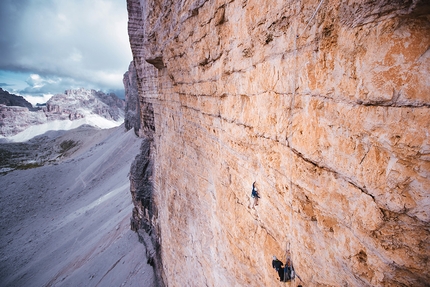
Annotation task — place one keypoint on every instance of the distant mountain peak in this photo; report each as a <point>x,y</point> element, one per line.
<point>75,105</point>
<point>9,99</point>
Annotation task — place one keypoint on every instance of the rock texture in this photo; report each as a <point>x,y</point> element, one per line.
<point>132,106</point>
<point>15,119</point>
<point>326,109</point>
<point>72,105</point>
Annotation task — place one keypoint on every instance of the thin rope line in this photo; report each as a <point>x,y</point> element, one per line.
<point>316,10</point>
<point>289,251</point>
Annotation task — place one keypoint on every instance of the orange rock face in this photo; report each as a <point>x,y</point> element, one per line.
<point>328,114</point>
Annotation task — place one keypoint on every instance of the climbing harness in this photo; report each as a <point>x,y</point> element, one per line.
<point>289,256</point>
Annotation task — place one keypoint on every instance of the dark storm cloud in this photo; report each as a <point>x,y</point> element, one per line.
<point>82,43</point>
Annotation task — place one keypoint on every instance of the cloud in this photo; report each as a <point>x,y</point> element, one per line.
<point>76,42</point>
<point>42,85</point>
<point>34,100</point>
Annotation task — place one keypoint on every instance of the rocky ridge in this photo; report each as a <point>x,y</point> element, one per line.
<point>71,106</point>
<point>9,99</point>
<point>325,107</point>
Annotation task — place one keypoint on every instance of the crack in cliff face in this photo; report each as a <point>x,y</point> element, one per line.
<point>394,102</point>
<point>337,174</point>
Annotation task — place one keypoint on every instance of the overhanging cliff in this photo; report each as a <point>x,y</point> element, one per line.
<point>325,106</point>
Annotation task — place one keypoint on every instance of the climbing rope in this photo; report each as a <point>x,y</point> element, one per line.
<point>287,259</point>
<point>289,252</point>
<point>310,19</point>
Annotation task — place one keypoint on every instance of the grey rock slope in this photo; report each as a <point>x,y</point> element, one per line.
<point>68,224</point>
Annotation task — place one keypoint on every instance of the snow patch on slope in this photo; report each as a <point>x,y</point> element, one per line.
<point>57,125</point>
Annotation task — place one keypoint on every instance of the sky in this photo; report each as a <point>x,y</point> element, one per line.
<point>49,46</point>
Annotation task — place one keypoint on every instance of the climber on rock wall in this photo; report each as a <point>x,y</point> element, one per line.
<point>289,273</point>
<point>281,274</point>
<point>254,195</point>
<point>276,264</point>
<point>285,273</point>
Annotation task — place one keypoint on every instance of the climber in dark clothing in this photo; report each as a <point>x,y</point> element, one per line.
<point>281,274</point>
<point>289,271</point>
<point>276,263</point>
<point>254,195</point>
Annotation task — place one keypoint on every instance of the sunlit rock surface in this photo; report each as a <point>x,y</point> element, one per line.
<point>328,114</point>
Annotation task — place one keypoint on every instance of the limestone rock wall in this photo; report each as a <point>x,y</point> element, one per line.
<point>328,114</point>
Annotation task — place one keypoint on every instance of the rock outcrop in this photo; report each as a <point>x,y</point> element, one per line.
<point>324,104</point>
<point>15,119</point>
<point>9,99</point>
<point>132,118</point>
